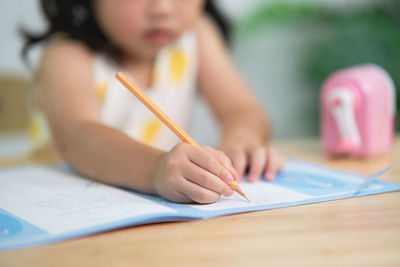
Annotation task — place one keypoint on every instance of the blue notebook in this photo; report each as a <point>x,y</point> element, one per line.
<point>41,204</point>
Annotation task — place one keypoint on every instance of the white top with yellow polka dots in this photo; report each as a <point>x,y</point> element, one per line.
<point>172,89</point>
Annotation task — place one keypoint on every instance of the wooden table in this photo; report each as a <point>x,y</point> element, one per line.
<point>363,231</point>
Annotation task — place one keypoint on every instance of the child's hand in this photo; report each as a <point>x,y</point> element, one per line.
<point>189,174</point>
<point>262,161</point>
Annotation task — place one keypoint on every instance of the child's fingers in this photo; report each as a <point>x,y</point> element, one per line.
<point>206,180</point>
<point>223,159</point>
<point>202,159</point>
<point>239,161</point>
<point>272,164</point>
<point>258,157</point>
<point>220,156</point>
<point>197,193</point>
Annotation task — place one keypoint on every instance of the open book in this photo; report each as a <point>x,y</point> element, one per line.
<point>42,204</point>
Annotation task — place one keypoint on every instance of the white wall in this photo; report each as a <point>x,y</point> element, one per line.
<point>16,14</point>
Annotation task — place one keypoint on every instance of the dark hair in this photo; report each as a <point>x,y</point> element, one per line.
<point>76,19</point>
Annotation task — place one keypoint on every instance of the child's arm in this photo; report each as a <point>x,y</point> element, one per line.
<point>244,126</point>
<point>65,92</point>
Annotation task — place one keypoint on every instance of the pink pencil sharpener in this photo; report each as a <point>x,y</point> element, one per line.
<point>358,111</point>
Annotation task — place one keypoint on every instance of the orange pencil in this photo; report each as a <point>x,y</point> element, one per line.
<point>167,121</point>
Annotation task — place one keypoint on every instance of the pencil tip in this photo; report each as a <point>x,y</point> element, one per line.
<point>240,191</point>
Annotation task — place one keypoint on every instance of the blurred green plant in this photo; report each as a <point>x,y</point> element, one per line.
<point>370,34</point>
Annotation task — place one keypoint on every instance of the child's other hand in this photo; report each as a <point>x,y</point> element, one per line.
<point>189,174</point>
<point>262,161</point>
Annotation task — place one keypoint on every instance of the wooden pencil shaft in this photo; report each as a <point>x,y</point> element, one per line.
<point>156,110</point>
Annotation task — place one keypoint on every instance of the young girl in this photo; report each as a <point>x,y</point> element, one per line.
<point>169,48</point>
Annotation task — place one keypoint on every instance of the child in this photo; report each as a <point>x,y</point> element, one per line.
<point>168,47</point>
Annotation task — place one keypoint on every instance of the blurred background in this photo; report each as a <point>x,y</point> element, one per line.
<point>285,49</point>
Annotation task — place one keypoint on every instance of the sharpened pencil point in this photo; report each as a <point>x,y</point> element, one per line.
<point>240,192</point>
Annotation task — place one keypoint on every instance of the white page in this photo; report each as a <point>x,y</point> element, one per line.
<point>260,193</point>
<point>59,202</point>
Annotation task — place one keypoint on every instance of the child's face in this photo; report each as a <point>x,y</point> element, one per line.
<point>141,27</point>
